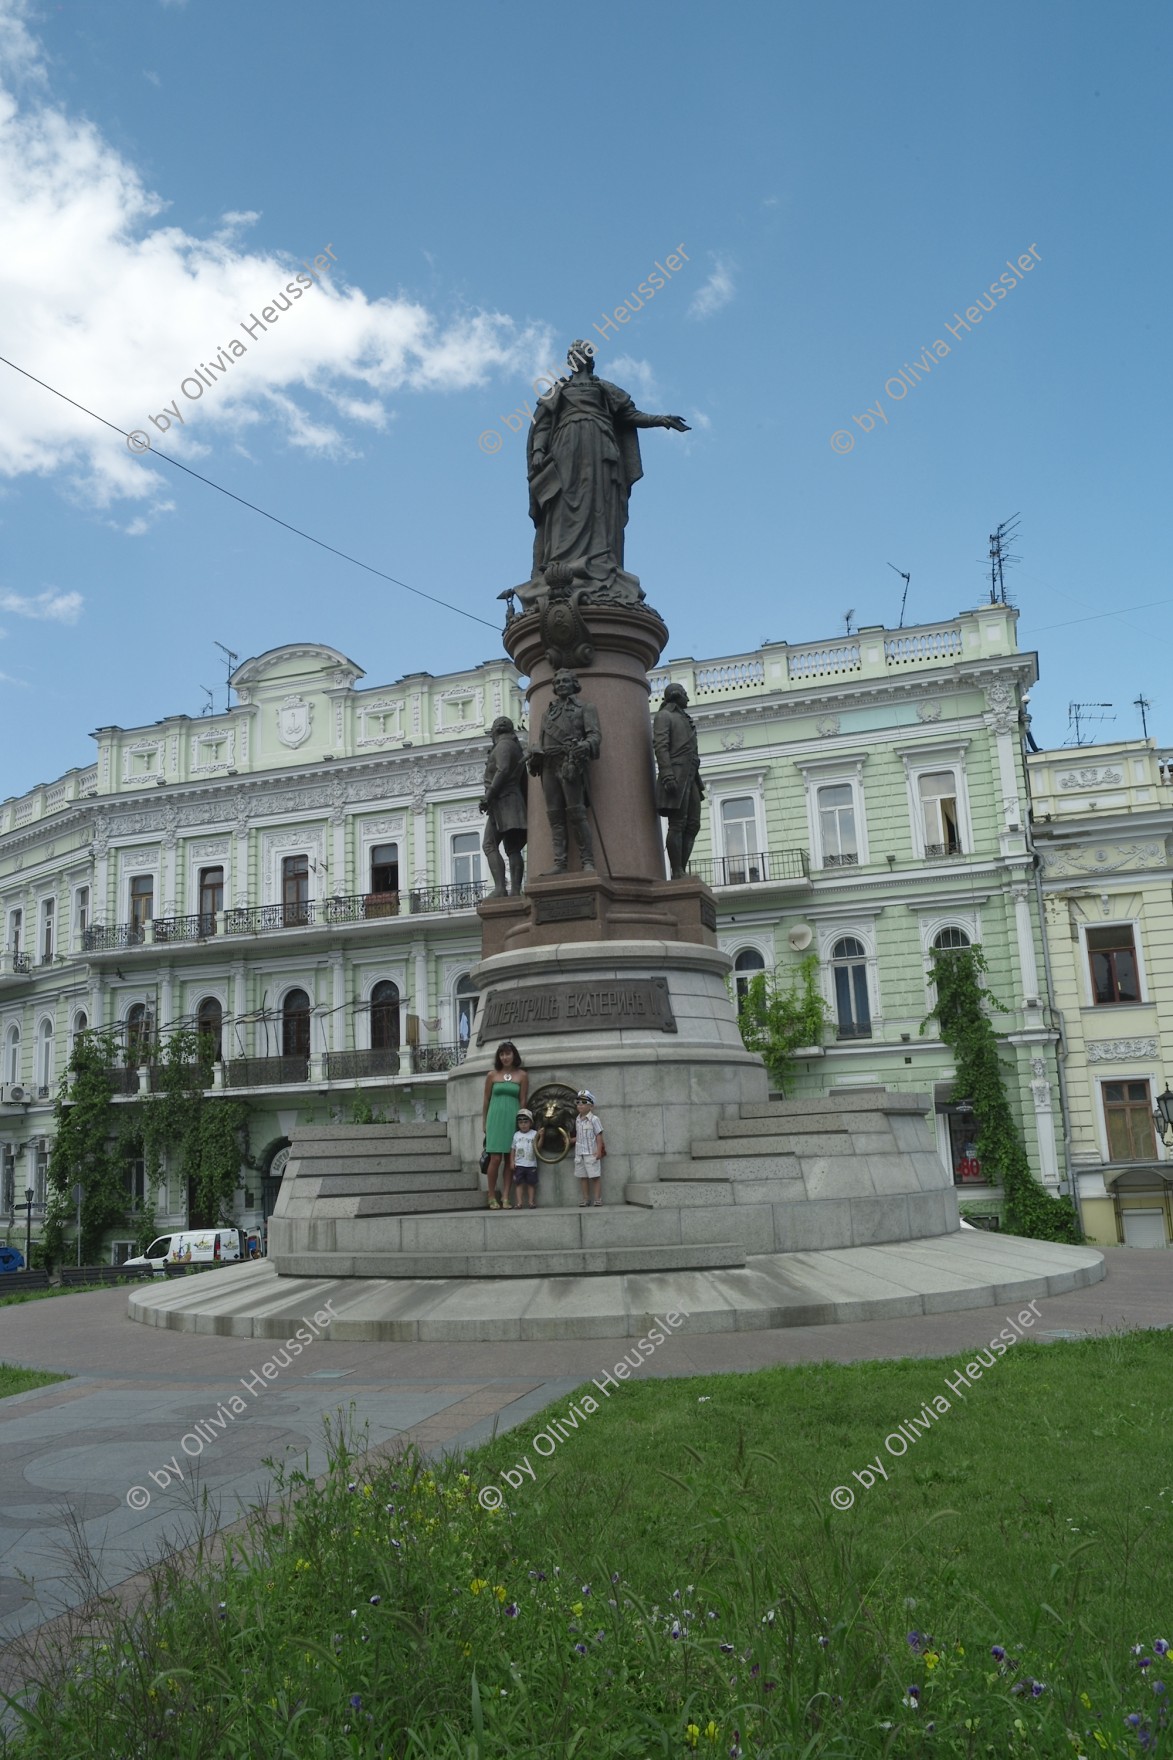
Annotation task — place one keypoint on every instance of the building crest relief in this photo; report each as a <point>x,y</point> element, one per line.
<point>1103,858</point>
<point>294,722</point>
<point>1092,776</point>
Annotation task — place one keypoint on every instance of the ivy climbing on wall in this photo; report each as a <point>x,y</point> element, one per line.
<point>778,1019</point>
<point>965,1026</point>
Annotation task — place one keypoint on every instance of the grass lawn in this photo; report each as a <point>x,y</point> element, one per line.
<point>42,1295</point>
<point>13,1380</point>
<point>673,1577</point>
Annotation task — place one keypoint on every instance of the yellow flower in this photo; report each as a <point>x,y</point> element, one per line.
<point>368,1491</point>
<point>931,1659</point>
<point>477,1584</point>
<point>692,1734</point>
<point>500,1591</point>
<point>1085,1701</point>
<point>303,1564</point>
<point>467,1650</point>
<point>712,1731</point>
<point>576,1608</point>
<point>960,1648</point>
<point>1099,1737</point>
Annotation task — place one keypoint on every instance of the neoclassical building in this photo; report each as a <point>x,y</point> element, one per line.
<point>298,877</point>
<point>1103,823</point>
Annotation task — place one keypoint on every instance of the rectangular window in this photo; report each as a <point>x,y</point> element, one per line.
<point>48,918</point>
<point>136,1183</point>
<point>466,859</point>
<point>295,890</point>
<point>739,835</point>
<point>1128,1114</point>
<point>40,1175</point>
<point>1112,953</point>
<point>211,898</point>
<point>15,924</point>
<point>836,801</point>
<point>385,867</point>
<point>142,900</point>
<point>8,1196</point>
<point>81,912</point>
<point>938,805</point>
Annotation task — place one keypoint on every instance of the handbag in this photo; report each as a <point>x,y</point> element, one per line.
<point>485,1159</point>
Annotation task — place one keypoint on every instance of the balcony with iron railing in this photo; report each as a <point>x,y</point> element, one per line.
<point>312,913</point>
<point>762,868</point>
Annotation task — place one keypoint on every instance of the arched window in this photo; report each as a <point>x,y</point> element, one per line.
<point>849,975</point>
<point>466,998</point>
<point>210,1023</point>
<point>949,939</point>
<point>12,1054</point>
<point>748,961</point>
<point>295,1025</point>
<point>45,1059</point>
<point>137,1034</point>
<point>385,1016</point>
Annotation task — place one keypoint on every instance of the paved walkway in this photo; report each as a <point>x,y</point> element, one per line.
<point>73,1451</point>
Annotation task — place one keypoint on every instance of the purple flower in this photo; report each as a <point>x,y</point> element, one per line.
<point>824,1643</point>
<point>735,1750</point>
<point>614,1576</point>
<point>1037,1689</point>
<point>1161,1647</point>
<point>1158,1687</point>
<point>676,1630</point>
<point>375,1600</point>
<point>768,1686</point>
<point>914,1692</point>
<point>1133,1720</point>
<point>538,1576</point>
<point>398,1545</point>
<point>356,1701</point>
<point>586,1589</point>
<point>1145,1662</point>
<point>756,1670</point>
<point>997,1652</point>
<point>512,1610</point>
<point>352,1486</point>
<point>599,1636</point>
<point>581,1649</point>
<point>916,1641</point>
<point>676,1594</point>
<point>726,1649</point>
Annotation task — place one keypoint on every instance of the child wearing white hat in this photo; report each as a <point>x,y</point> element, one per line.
<point>589,1149</point>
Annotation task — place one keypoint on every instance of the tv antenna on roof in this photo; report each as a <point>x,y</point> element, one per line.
<point>847,617</point>
<point>209,707</point>
<point>230,660</point>
<point>1081,716</point>
<point>1142,703</point>
<point>1000,556</point>
<point>904,599</point>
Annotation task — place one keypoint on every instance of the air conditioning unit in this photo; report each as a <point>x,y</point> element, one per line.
<point>15,1094</point>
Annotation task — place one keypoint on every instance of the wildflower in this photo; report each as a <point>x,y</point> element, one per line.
<point>398,1545</point>
<point>1133,1720</point>
<point>1161,1647</point>
<point>676,1594</point>
<point>726,1649</point>
<point>1145,1662</point>
<point>538,1576</point>
<point>512,1611</point>
<point>477,1584</point>
<point>823,1643</point>
<point>352,1486</point>
<point>931,1659</point>
<point>1037,1689</point>
<point>711,1731</point>
<point>692,1734</point>
<point>576,1608</point>
<point>500,1591</point>
<point>586,1589</point>
<point>375,1600</point>
<point>356,1701</point>
<point>615,1579</point>
<point>676,1630</point>
<point>735,1750</point>
<point>997,1652</point>
<point>599,1636</point>
<point>581,1649</point>
<point>912,1699</point>
<point>1158,1687</point>
<point>769,1618</point>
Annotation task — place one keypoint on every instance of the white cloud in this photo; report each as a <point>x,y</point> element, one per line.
<point>635,376</point>
<point>46,607</point>
<point>103,299</point>
<point>717,291</point>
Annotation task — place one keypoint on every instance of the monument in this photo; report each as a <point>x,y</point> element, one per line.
<point>605,971</point>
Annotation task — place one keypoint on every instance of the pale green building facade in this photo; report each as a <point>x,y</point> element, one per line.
<point>298,877</point>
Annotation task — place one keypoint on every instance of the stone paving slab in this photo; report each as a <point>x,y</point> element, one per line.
<point>77,1447</point>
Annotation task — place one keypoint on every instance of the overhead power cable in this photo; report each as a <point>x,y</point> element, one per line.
<point>296,530</point>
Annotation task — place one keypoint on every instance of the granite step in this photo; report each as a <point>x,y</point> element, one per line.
<point>792,1143</point>
<point>851,1100</point>
<point>678,1194</point>
<point>408,1203</point>
<point>368,1167</point>
<point>803,1124</point>
<point>371,1155</point>
<point>345,1185</point>
<point>678,1168</point>
<point>364,1133</point>
<point>548,1262</point>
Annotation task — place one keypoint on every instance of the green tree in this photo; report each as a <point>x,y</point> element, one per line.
<point>961,1013</point>
<point>776,1020</point>
<point>86,1150</point>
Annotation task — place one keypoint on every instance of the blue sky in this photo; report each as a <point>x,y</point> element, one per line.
<point>492,178</point>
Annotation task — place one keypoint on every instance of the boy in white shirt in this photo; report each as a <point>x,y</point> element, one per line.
<point>524,1156</point>
<point>589,1148</point>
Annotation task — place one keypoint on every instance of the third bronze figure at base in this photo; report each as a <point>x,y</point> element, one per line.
<point>679,789</point>
<point>569,740</point>
<point>504,802</point>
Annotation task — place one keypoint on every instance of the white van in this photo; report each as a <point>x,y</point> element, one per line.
<point>201,1246</point>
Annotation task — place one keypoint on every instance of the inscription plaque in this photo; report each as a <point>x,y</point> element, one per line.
<point>709,914</point>
<point>566,908</point>
<point>595,1007</point>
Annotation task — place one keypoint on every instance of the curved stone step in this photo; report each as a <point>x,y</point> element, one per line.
<point>408,1203</point>
<point>438,1180</point>
<point>368,1168</point>
<point>546,1262</point>
<point>434,1150</point>
<point>664,1194</point>
<point>812,1124</point>
<point>676,1167</point>
<point>309,1134</point>
<point>876,1099</point>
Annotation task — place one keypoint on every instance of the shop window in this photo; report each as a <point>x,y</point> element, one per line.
<point>1112,954</point>
<point>963,1151</point>
<point>1128,1116</point>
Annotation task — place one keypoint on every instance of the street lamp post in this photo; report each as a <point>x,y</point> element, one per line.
<point>1163,1112</point>
<point>29,1195</point>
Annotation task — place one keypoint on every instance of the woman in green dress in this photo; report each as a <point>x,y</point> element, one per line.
<point>506,1088</point>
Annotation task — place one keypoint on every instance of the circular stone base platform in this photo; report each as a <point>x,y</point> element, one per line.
<point>934,1276</point>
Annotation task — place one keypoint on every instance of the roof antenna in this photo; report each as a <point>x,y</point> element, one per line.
<point>209,707</point>
<point>1000,542</point>
<point>904,598</point>
<point>847,617</point>
<point>230,660</point>
<point>1142,703</point>
<point>1078,714</point>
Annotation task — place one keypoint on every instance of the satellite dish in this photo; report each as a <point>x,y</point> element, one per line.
<point>800,937</point>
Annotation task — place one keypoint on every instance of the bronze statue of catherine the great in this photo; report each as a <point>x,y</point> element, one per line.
<point>583,457</point>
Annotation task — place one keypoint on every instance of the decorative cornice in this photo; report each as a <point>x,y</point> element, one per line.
<point>1122,1050</point>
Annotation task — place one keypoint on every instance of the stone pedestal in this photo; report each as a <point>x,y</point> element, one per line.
<point>627,641</point>
<point>574,908</point>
